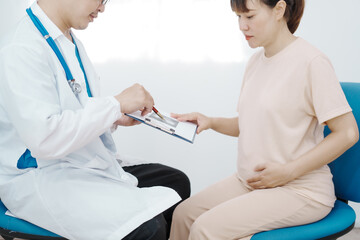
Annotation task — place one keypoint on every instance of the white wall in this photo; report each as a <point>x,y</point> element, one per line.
<point>207,85</point>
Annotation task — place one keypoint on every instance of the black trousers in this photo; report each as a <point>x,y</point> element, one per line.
<point>150,175</point>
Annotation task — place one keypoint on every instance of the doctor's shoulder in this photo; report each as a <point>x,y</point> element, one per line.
<point>22,38</point>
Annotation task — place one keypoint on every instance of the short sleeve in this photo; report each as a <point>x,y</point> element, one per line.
<point>327,97</point>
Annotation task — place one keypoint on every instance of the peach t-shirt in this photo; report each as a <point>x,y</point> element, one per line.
<point>284,102</point>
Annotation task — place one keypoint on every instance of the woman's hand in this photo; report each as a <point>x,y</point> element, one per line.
<point>126,121</point>
<point>199,119</point>
<point>270,175</point>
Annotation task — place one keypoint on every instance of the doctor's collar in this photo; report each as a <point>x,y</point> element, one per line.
<point>50,26</point>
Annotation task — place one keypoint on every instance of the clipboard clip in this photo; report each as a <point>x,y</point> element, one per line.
<point>160,126</point>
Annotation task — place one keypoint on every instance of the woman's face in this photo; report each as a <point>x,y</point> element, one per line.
<point>81,12</point>
<point>258,25</point>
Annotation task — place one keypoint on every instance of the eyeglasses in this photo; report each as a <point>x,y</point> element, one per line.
<point>103,2</point>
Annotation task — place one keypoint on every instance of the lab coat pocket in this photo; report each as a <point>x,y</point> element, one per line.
<point>97,163</point>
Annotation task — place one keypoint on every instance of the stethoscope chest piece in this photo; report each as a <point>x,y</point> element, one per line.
<point>75,87</point>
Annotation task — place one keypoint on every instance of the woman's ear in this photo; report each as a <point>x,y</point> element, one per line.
<point>280,9</point>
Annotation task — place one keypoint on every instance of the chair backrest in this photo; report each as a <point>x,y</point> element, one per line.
<point>346,169</point>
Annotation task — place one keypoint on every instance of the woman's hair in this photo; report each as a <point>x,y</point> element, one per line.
<point>293,13</point>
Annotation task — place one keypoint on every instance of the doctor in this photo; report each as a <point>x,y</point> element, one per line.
<point>58,165</point>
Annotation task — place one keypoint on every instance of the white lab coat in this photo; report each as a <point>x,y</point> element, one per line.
<point>79,190</point>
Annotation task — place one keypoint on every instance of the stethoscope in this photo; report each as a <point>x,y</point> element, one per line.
<point>75,87</point>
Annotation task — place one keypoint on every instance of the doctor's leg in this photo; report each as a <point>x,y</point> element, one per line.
<point>154,229</point>
<point>155,174</point>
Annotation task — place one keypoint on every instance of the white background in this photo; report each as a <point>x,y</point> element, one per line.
<point>191,56</point>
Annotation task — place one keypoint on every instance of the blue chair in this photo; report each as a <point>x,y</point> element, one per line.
<point>346,177</point>
<point>11,227</point>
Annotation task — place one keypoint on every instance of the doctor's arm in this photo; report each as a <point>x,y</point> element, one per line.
<point>344,134</point>
<point>227,126</point>
<point>45,113</point>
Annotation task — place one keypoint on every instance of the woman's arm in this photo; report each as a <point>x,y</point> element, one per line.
<point>227,126</point>
<point>344,134</point>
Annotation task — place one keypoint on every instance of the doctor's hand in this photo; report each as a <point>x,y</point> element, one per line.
<point>199,119</point>
<point>135,98</point>
<point>126,121</point>
<point>270,175</point>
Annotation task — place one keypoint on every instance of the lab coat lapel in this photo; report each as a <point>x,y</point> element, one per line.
<point>94,83</point>
<point>92,76</point>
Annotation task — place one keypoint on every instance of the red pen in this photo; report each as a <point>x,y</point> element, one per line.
<point>157,113</point>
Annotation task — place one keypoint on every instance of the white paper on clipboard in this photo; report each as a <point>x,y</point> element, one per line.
<point>183,130</point>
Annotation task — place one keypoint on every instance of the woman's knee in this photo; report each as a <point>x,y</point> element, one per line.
<point>200,230</point>
<point>208,226</point>
<point>179,212</point>
<point>184,210</point>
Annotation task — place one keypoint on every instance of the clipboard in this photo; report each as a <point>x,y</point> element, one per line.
<point>183,130</point>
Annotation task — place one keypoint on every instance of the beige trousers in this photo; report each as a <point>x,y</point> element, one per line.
<point>229,210</point>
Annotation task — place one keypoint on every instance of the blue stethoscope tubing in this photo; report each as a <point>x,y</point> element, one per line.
<point>76,88</point>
